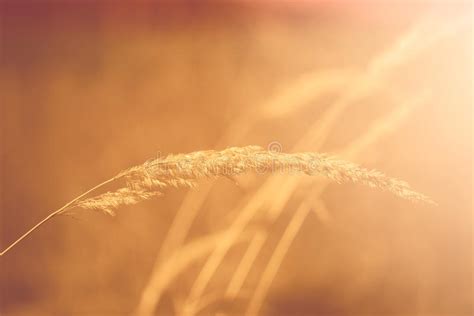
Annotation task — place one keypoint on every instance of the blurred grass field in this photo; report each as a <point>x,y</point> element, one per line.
<point>90,89</point>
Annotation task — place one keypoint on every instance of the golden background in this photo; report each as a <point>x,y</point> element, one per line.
<point>88,89</point>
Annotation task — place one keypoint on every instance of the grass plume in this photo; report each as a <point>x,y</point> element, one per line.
<point>184,170</point>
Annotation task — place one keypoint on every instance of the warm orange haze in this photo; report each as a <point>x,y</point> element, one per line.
<point>257,158</point>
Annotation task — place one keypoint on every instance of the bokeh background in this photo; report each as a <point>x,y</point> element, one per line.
<point>89,88</point>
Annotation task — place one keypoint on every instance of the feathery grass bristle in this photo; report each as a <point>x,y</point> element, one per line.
<point>184,170</point>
